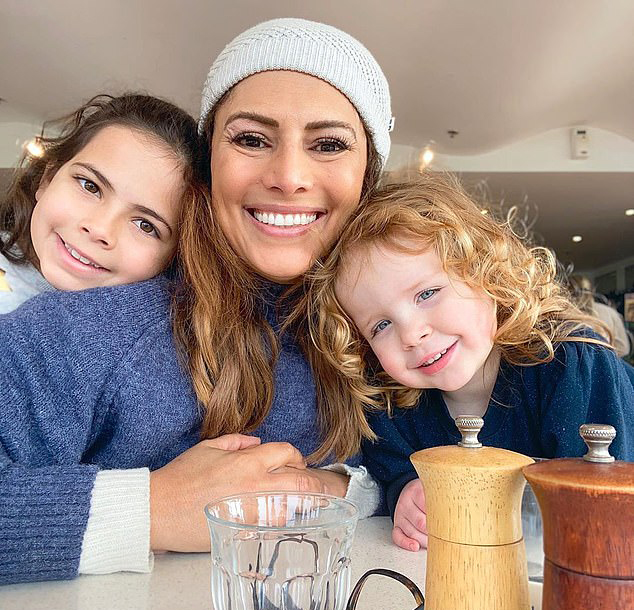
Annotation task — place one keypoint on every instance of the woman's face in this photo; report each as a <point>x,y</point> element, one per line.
<point>288,157</point>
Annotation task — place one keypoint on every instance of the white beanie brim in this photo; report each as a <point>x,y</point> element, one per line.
<point>311,48</point>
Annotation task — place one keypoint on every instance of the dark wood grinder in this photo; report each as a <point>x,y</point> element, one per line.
<point>587,507</point>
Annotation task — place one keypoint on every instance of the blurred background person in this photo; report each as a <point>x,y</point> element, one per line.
<point>598,305</point>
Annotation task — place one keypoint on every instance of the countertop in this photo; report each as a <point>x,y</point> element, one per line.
<point>181,581</point>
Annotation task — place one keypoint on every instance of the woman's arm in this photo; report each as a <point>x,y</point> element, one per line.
<point>57,354</point>
<point>43,513</point>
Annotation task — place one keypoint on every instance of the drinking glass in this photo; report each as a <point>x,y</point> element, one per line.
<point>279,550</point>
<point>533,535</point>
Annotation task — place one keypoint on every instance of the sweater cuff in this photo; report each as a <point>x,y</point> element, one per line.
<point>363,491</point>
<point>117,536</point>
<point>43,513</point>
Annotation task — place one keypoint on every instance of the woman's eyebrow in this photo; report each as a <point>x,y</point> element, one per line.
<point>312,126</point>
<point>252,116</point>
<point>329,124</point>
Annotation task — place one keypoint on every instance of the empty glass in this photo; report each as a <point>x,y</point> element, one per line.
<point>278,550</point>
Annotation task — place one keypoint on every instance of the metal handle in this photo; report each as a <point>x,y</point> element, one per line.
<point>597,437</point>
<point>469,426</point>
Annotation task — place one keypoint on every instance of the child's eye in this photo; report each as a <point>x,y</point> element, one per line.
<point>146,227</point>
<point>88,185</point>
<point>249,140</point>
<point>427,294</point>
<point>331,145</point>
<point>382,325</point>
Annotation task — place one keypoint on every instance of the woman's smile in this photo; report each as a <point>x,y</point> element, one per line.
<point>286,220</point>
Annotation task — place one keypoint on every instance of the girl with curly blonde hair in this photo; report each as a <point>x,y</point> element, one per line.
<point>427,309</point>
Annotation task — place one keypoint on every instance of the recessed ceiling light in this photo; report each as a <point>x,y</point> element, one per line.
<point>577,238</point>
<point>629,212</point>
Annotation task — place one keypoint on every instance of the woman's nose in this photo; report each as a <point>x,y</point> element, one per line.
<point>289,171</point>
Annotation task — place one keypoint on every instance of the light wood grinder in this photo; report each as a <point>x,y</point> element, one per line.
<point>587,507</point>
<point>476,558</point>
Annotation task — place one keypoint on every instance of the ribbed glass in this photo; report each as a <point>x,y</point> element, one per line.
<point>280,550</point>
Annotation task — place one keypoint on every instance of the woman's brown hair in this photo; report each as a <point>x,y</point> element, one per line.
<point>533,309</point>
<point>169,125</point>
<point>230,348</point>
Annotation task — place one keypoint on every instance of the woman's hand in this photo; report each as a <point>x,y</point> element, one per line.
<point>230,464</point>
<point>410,519</point>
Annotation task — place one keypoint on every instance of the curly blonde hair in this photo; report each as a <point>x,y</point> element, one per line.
<point>533,309</point>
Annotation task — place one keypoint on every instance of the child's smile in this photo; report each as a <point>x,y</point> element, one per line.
<point>427,329</point>
<point>76,259</point>
<point>437,361</point>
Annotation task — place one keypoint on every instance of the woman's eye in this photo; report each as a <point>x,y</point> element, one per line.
<point>250,140</point>
<point>331,145</point>
<point>146,227</point>
<point>88,185</point>
<point>382,325</point>
<point>427,294</point>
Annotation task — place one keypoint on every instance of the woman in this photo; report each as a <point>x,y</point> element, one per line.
<point>297,116</point>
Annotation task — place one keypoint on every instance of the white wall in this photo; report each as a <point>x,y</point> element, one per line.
<point>12,139</point>
<point>546,152</point>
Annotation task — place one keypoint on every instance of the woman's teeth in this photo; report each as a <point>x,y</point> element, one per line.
<point>284,220</point>
<point>433,359</point>
<point>80,258</point>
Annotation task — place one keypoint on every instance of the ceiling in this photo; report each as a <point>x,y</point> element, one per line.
<point>496,71</point>
<point>559,205</point>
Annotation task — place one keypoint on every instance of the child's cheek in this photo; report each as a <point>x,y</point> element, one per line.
<point>389,363</point>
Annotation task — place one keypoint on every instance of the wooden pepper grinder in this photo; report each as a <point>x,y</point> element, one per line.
<point>587,508</point>
<point>476,558</point>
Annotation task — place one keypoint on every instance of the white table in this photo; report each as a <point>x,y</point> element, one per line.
<point>181,581</point>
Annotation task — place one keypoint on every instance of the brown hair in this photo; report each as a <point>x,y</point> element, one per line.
<point>533,310</point>
<point>160,119</point>
<point>230,348</point>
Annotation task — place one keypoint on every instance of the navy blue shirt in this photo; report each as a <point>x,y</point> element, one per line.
<point>534,410</point>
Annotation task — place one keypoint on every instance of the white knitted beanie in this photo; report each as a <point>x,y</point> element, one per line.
<point>312,48</point>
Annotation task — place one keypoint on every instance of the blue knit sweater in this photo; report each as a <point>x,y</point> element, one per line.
<point>92,380</point>
<point>535,410</point>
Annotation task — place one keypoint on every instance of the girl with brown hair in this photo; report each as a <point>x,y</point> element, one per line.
<point>102,205</point>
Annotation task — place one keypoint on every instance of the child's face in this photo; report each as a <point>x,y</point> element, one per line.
<point>109,216</point>
<point>427,330</point>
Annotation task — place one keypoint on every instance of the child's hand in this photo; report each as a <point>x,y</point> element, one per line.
<point>410,519</point>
